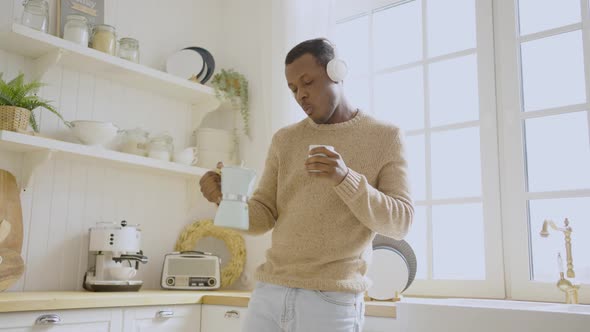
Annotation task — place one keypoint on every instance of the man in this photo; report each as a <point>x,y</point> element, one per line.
<point>323,206</point>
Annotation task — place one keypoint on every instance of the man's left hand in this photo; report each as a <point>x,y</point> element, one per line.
<point>330,166</point>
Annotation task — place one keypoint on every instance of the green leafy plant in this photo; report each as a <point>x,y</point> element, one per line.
<point>233,86</point>
<point>20,94</point>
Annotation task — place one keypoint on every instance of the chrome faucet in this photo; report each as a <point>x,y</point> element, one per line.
<point>567,286</point>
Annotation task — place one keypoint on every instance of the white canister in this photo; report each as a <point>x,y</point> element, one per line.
<point>76,29</point>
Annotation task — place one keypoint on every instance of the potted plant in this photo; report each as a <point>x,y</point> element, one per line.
<point>233,86</point>
<point>17,102</point>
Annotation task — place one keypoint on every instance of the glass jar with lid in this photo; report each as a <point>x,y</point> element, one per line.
<point>161,147</point>
<point>76,29</point>
<point>129,49</point>
<point>36,15</point>
<point>104,38</point>
<point>135,141</point>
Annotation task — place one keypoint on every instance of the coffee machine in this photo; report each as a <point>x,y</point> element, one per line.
<point>114,255</point>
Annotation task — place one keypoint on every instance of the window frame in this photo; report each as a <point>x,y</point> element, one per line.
<point>512,146</point>
<point>493,286</point>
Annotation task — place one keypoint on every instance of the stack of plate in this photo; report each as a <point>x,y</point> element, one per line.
<point>214,145</point>
<point>191,63</point>
<point>393,268</point>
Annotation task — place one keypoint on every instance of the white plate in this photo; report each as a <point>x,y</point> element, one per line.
<point>186,63</point>
<point>389,273</point>
<point>392,269</point>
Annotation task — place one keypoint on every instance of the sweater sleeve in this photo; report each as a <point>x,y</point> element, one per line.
<point>262,205</point>
<point>386,209</point>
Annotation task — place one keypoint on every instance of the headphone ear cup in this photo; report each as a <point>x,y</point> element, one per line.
<point>337,70</point>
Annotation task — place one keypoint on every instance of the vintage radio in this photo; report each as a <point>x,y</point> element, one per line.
<point>191,270</point>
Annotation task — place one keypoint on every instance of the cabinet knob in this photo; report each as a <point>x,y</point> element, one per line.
<point>47,319</point>
<point>232,314</point>
<point>165,314</point>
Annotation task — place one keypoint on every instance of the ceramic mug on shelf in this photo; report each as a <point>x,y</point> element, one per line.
<point>187,156</point>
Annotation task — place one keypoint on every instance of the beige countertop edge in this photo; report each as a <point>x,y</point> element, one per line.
<point>41,301</point>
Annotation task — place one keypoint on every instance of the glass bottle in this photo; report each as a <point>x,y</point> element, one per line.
<point>36,15</point>
<point>104,38</point>
<point>76,29</point>
<point>129,49</point>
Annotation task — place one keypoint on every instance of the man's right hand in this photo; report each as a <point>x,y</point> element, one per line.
<point>211,185</point>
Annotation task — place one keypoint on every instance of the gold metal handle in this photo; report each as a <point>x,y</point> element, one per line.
<point>567,231</point>
<point>568,287</point>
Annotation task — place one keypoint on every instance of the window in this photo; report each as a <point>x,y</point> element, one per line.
<point>427,66</point>
<point>493,98</point>
<point>544,86</point>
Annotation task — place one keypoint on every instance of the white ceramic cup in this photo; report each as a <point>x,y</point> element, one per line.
<point>313,146</point>
<point>122,273</point>
<point>187,156</point>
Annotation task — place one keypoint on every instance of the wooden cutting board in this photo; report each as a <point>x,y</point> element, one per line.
<point>12,268</point>
<point>11,216</point>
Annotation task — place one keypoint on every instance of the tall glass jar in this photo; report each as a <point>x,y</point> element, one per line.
<point>129,49</point>
<point>104,38</point>
<point>135,141</point>
<point>36,15</point>
<point>76,29</point>
<point>161,147</point>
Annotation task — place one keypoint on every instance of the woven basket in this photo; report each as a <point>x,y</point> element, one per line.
<point>14,118</point>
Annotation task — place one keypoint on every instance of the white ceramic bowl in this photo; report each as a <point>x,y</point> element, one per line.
<point>95,133</point>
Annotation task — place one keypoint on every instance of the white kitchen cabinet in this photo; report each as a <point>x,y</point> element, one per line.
<point>162,318</point>
<point>220,318</point>
<point>380,324</point>
<point>84,320</point>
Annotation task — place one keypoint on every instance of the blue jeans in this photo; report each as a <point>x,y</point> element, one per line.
<point>274,308</point>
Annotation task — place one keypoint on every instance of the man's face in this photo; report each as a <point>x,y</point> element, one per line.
<point>317,95</point>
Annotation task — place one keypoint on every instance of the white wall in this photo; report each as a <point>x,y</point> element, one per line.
<point>69,195</point>
<point>246,27</point>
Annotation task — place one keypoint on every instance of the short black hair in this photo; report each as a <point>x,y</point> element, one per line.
<point>321,49</point>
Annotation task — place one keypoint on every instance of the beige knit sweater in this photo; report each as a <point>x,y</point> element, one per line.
<point>322,233</point>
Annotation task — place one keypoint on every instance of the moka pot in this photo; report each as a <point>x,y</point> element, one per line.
<point>236,186</point>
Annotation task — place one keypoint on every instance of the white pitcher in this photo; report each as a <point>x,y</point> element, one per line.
<point>236,186</point>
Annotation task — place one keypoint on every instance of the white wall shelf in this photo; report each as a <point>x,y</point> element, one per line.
<point>39,150</point>
<point>48,50</point>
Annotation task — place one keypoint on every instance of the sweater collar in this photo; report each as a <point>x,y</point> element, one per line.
<point>334,126</point>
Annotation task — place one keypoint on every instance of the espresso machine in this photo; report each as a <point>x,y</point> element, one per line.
<point>114,255</point>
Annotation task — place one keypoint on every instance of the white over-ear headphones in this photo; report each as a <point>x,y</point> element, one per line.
<point>337,70</point>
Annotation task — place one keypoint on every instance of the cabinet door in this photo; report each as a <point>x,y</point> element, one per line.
<point>82,320</point>
<point>217,318</point>
<point>162,318</point>
<point>380,324</point>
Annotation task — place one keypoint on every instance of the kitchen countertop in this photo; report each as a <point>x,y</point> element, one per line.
<point>41,301</point>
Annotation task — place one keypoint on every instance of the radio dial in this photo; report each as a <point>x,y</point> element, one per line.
<point>211,282</point>
<point>170,281</point>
